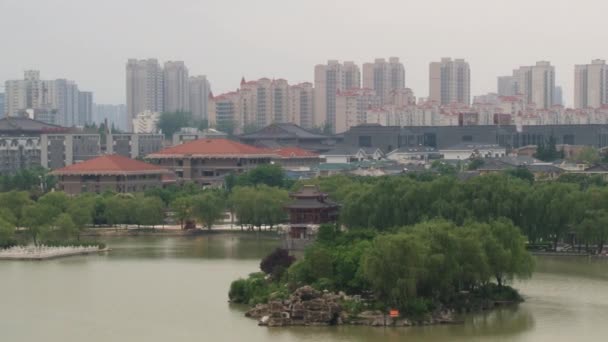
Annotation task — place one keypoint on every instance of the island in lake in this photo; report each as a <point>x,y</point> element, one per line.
<point>416,275</point>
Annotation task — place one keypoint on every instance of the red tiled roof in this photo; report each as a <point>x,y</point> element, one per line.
<point>211,148</point>
<point>110,164</point>
<point>291,152</point>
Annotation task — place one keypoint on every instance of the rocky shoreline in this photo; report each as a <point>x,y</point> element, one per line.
<point>309,307</point>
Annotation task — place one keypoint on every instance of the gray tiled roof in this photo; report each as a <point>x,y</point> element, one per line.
<point>283,130</point>
<point>25,124</point>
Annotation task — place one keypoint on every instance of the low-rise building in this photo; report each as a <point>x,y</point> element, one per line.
<point>287,134</point>
<point>110,173</point>
<point>294,158</point>
<point>465,151</point>
<point>133,145</point>
<point>348,154</point>
<point>208,161</point>
<point>186,134</point>
<point>19,153</point>
<point>406,155</point>
<point>60,150</point>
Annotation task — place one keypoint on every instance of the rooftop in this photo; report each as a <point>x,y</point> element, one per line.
<point>24,124</point>
<point>110,165</point>
<point>283,130</point>
<point>211,148</point>
<point>294,152</point>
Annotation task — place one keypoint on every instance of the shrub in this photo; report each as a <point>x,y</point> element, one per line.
<point>276,263</point>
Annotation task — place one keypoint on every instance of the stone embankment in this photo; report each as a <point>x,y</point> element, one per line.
<point>46,252</point>
<point>307,306</point>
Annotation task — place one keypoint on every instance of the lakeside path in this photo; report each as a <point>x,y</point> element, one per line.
<point>172,230</point>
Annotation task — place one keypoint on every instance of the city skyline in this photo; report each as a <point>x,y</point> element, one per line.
<point>225,51</point>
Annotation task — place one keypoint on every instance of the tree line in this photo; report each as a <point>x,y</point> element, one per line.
<point>570,210</point>
<point>414,268</point>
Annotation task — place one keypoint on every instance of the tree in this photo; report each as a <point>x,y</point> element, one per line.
<point>393,267</point>
<point>268,174</point>
<point>149,211</point>
<point>226,126</point>
<point>475,164</point>
<point>7,232</point>
<point>64,228</point>
<point>505,250</point>
<point>521,173</point>
<point>547,151</point>
<point>209,208</point>
<point>57,199</point>
<point>14,202</point>
<point>182,208</point>
<point>171,122</point>
<point>117,210</point>
<point>588,155</point>
<point>277,262</point>
<point>37,219</point>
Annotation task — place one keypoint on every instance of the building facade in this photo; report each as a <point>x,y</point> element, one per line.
<point>330,79</point>
<point>591,85</point>
<point>60,150</point>
<point>208,161</point>
<point>450,81</point>
<point>352,106</point>
<point>145,89</point>
<point>384,77</point>
<point>19,153</point>
<point>61,96</point>
<point>133,145</point>
<point>200,91</point>
<point>175,87</point>
<point>110,173</point>
<point>537,84</point>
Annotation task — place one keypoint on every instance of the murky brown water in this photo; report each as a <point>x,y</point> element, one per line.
<point>174,289</point>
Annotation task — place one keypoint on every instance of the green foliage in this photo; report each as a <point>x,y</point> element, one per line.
<point>63,228</point>
<point>588,155</point>
<point>521,173</point>
<point>276,263</point>
<point>475,164</point>
<point>35,180</point>
<point>149,211</point>
<point>208,208</point>
<point>183,209</point>
<point>171,122</point>
<point>547,151</point>
<point>261,205</point>
<point>7,233</point>
<point>268,174</point>
<point>256,289</point>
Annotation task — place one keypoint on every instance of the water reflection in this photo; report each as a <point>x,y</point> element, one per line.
<point>175,289</point>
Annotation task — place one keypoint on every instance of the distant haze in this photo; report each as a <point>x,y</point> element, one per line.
<point>90,41</point>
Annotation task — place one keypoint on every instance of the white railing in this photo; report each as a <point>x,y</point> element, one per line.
<point>44,252</point>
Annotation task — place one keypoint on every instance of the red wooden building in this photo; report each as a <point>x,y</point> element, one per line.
<point>309,209</point>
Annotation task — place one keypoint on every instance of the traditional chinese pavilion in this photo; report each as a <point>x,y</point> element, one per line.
<point>309,208</point>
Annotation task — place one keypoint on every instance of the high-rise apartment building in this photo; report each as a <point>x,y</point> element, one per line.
<point>507,86</point>
<point>58,98</point>
<point>537,84</point>
<point>300,105</point>
<point>200,90</point>
<point>591,84</point>
<point>558,96</point>
<point>330,79</point>
<point>85,108</point>
<point>175,87</point>
<point>450,81</point>
<point>114,115</point>
<point>384,77</point>
<point>144,87</point>
<point>352,106</point>
<point>2,113</point>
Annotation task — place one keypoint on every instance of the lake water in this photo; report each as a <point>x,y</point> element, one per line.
<point>175,289</point>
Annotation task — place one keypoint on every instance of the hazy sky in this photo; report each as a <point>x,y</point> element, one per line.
<point>89,41</point>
